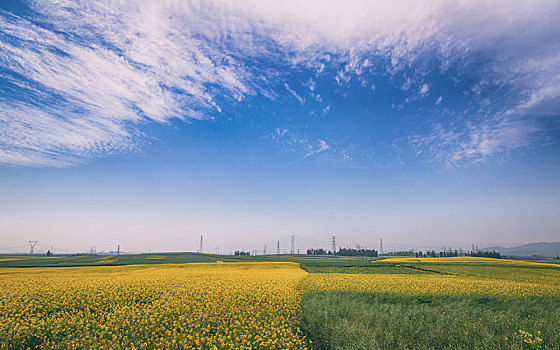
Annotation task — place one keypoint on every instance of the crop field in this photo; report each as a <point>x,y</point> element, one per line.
<point>449,276</point>
<point>450,303</point>
<point>191,306</point>
<point>362,320</point>
<point>305,303</point>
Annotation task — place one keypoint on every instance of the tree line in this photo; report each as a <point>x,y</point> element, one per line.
<point>452,253</point>
<point>344,252</point>
<point>241,253</point>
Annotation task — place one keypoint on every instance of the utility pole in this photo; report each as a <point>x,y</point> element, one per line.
<point>32,245</point>
<point>333,241</point>
<point>200,249</point>
<point>118,249</point>
<point>292,245</point>
<point>278,248</point>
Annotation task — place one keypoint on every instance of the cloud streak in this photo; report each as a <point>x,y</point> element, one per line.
<point>78,78</point>
<point>83,86</point>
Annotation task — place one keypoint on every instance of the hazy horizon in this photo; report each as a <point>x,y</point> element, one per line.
<point>423,123</point>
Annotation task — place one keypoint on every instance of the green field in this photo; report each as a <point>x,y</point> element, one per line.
<point>312,264</point>
<point>344,319</point>
<point>354,320</point>
<point>394,303</point>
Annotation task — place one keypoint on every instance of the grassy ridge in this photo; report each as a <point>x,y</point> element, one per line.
<point>356,320</point>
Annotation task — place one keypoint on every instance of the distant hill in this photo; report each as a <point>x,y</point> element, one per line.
<point>536,250</point>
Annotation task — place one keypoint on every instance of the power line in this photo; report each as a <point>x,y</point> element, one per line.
<point>32,245</point>
<point>292,245</point>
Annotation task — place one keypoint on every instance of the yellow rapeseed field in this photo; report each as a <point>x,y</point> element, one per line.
<point>425,284</point>
<point>458,275</point>
<point>213,306</point>
<point>469,260</point>
<point>485,268</point>
<point>189,306</point>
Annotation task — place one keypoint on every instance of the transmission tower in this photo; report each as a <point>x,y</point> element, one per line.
<point>292,244</point>
<point>119,249</point>
<point>200,249</point>
<point>333,241</point>
<point>381,246</point>
<point>32,245</point>
<point>264,250</point>
<point>278,248</point>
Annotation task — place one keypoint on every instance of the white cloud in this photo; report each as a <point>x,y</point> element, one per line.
<point>295,94</point>
<point>494,137</point>
<point>311,85</point>
<point>106,66</point>
<point>294,142</point>
<point>455,147</point>
<point>321,147</point>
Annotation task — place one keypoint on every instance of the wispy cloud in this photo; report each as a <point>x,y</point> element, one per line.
<point>296,143</point>
<point>474,143</point>
<point>295,94</point>
<point>83,85</point>
<point>322,146</point>
<point>78,77</point>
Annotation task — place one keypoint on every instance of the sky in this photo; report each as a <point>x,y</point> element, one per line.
<point>427,124</point>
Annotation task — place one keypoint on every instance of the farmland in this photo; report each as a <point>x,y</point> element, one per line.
<point>183,301</point>
<point>455,303</point>
<point>205,306</point>
<point>358,320</point>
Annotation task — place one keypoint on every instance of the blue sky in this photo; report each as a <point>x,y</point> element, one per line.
<point>424,123</point>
